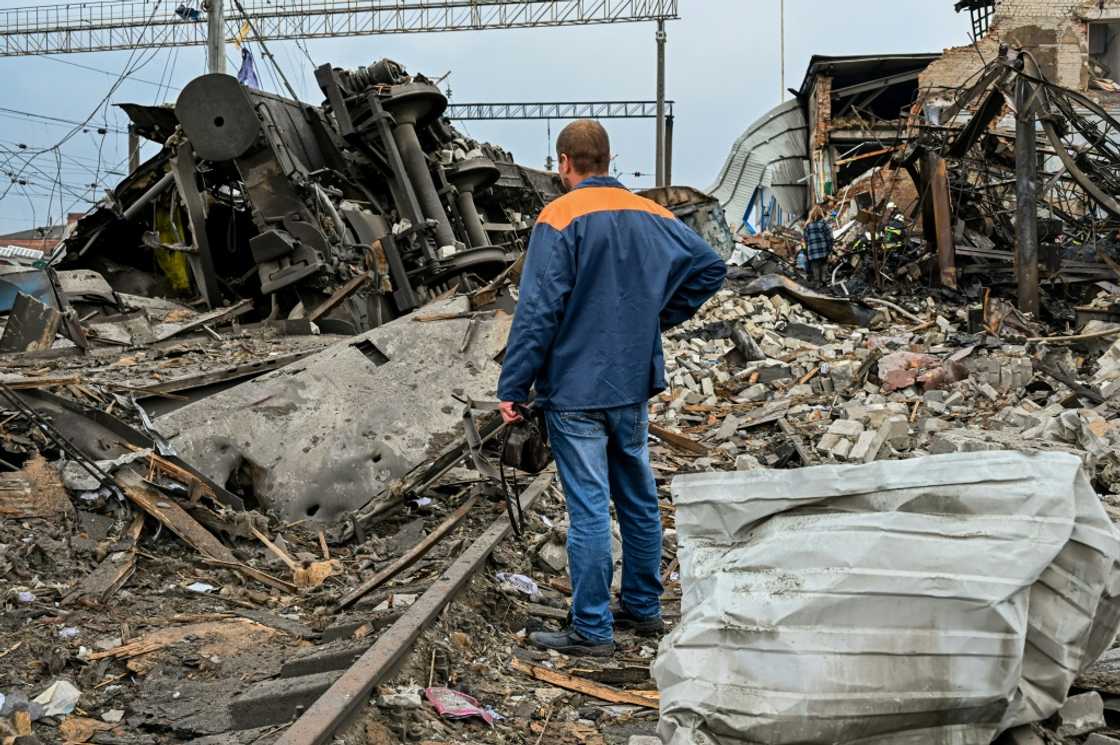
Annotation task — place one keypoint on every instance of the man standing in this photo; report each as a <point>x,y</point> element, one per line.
<point>606,272</point>
<point>818,244</point>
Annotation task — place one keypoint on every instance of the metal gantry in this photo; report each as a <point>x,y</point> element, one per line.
<point>556,110</point>
<point>139,24</point>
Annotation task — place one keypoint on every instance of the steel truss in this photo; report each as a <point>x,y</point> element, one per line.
<point>556,110</point>
<point>131,24</point>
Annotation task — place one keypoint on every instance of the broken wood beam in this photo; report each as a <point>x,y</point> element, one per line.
<point>677,440</point>
<point>113,571</point>
<point>586,687</point>
<point>339,295</point>
<point>214,318</point>
<point>794,438</point>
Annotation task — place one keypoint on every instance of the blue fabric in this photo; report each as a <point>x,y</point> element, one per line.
<point>600,455</point>
<point>247,75</point>
<point>595,296</point>
<point>818,240</point>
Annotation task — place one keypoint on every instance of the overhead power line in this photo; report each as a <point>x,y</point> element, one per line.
<point>60,120</point>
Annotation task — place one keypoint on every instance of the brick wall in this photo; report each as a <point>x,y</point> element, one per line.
<point>1055,31</point>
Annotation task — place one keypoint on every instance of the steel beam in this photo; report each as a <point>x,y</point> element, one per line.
<point>1026,198</point>
<point>138,24</point>
<point>877,84</point>
<point>556,110</point>
<point>320,722</point>
<point>661,38</point>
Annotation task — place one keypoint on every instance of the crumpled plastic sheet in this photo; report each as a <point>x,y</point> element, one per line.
<point>451,704</point>
<point>933,601</point>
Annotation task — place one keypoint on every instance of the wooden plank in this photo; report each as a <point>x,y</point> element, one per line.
<point>213,318</point>
<point>943,221</point>
<point>339,295</point>
<point>411,557</point>
<point>174,517</point>
<point>586,687</point>
<point>22,384</point>
<point>677,440</point>
<point>113,571</point>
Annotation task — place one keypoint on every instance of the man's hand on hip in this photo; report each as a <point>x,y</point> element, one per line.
<point>509,412</point>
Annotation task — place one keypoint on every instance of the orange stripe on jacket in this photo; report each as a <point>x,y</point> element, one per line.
<point>575,204</point>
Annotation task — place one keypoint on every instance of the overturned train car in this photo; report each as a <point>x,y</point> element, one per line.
<point>372,199</point>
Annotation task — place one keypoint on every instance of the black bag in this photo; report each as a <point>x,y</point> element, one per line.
<point>526,445</point>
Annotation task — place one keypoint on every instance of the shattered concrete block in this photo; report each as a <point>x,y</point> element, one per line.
<point>801,391</point>
<point>1081,714</point>
<point>936,407</point>
<point>643,740</point>
<point>747,463</point>
<point>841,449</point>
<point>931,424</point>
<point>728,428</point>
<point>894,430</point>
<point>757,392</point>
<point>846,428</point>
<point>989,392</point>
<point>828,442</point>
<point>707,387</point>
<point>863,445</point>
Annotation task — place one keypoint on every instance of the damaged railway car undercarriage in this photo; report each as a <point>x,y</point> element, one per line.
<point>360,210</point>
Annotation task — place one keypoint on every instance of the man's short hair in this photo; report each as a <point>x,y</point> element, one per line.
<point>586,143</point>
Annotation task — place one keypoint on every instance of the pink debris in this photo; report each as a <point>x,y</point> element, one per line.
<point>454,705</point>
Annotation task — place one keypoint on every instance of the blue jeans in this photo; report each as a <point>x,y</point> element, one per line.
<point>600,455</point>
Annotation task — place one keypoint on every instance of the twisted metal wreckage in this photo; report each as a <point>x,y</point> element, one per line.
<point>938,191</point>
<point>1049,193</point>
<point>332,220</point>
<point>268,197</point>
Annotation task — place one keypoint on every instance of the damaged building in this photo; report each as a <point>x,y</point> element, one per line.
<point>253,489</point>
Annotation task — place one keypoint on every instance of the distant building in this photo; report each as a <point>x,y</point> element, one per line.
<point>40,239</point>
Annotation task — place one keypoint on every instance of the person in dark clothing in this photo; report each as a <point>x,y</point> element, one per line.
<point>606,272</point>
<point>819,243</point>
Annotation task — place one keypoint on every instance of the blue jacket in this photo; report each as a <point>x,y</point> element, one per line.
<point>606,272</point>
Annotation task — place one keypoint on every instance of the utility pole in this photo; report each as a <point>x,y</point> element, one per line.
<point>1026,197</point>
<point>215,37</point>
<point>133,149</point>
<point>669,150</point>
<point>661,37</point>
<point>782,34</point>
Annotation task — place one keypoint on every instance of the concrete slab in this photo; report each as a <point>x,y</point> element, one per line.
<point>320,437</point>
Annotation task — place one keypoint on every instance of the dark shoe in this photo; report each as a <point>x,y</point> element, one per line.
<point>571,642</point>
<point>624,620</point>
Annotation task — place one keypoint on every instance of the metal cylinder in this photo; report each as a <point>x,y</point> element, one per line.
<point>215,38</point>
<point>416,163</point>
<point>468,210</point>
<point>146,198</point>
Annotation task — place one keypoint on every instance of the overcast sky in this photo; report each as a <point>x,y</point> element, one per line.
<point>723,72</point>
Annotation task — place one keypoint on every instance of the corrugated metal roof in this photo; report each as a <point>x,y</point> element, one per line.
<point>773,152</point>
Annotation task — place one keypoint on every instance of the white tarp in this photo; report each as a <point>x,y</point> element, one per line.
<point>938,600</point>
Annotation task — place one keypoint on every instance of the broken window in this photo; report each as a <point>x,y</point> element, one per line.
<point>1104,50</point>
